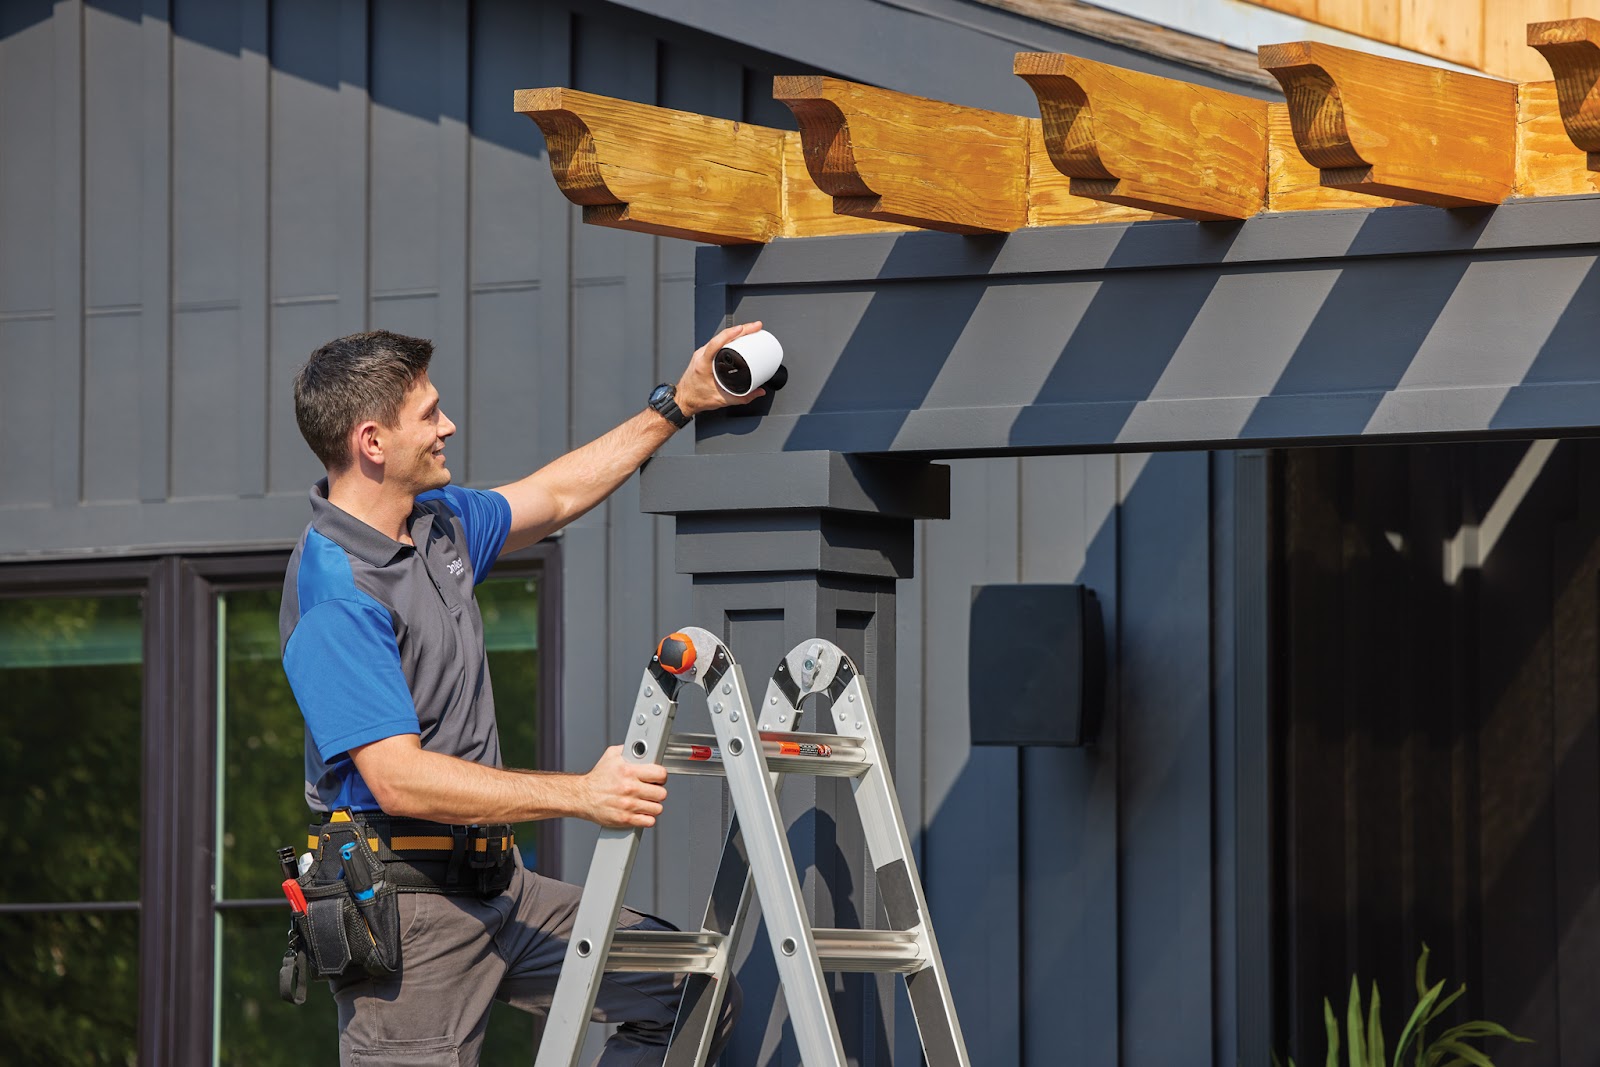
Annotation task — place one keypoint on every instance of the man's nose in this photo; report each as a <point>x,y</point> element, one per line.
<point>446,427</point>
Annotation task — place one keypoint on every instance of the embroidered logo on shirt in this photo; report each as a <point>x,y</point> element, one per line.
<point>455,566</point>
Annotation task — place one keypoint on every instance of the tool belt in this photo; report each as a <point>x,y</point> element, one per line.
<point>346,918</point>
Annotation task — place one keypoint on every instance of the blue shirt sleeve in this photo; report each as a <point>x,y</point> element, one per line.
<point>485,515</point>
<point>344,666</point>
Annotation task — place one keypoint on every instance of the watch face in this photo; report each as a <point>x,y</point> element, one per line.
<point>660,394</point>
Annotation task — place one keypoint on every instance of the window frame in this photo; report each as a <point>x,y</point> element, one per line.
<point>178,761</point>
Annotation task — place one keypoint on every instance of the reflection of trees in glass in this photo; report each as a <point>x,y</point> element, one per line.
<point>263,750</point>
<point>69,988</point>
<point>71,671</point>
<point>264,807</point>
<point>262,765</point>
<point>255,1027</point>
<point>510,609</point>
<point>69,750</point>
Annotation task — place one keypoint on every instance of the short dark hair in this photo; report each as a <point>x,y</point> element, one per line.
<point>352,379</point>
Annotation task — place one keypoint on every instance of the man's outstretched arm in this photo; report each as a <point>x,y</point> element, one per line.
<point>409,781</point>
<point>566,488</point>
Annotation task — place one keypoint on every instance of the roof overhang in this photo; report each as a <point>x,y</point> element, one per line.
<point>1396,252</point>
<point>1318,327</point>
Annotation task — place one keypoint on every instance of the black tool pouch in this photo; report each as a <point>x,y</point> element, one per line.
<point>352,917</point>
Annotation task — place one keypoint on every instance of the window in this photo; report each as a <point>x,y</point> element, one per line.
<point>260,807</point>
<point>72,672</point>
<point>149,744</point>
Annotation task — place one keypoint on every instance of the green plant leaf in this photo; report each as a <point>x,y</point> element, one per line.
<point>1482,1028</point>
<point>1352,1025</point>
<point>1438,1009</point>
<point>1333,1032</point>
<point>1418,1021</point>
<point>1465,1053</point>
<point>1375,1055</point>
<point>1422,971</point>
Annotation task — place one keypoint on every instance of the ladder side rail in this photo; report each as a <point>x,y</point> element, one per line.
<point>899,885</point>
<point>726,913</point>
<point>583,968</point>
<point>772,868</point>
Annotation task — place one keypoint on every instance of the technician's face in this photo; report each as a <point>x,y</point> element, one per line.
<point>418,461</point>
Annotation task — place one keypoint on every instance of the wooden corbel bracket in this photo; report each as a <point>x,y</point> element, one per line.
<point>1397,129</point>
<point>906,159</point>
<point>1150,142</point>
<point>651,169</point>
<point>1572,48</point>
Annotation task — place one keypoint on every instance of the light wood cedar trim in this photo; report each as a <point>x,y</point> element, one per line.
<point>1572,48</point>
<point>677,174</point>
<point>1485,35</point>
<point>1397,129</point>
<point>1548,163</point>
<point>907,159</point>
<point>673,173</point>
<point>1149,142</point>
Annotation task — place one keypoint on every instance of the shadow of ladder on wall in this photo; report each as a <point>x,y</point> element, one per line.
<point>754,756</point>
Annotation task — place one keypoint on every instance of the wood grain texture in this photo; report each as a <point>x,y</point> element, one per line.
<point>807,210</point>
<point>1572,49</point>
<point>1150,142</point>
<point>655,170</point>
<point>1449,29</point>
<point>1506,50</point>
<point>1398,129</point>
<point>1486,35</point>
<point>1548,163</point>
<point>1294,184</point>
<point>897,158</point>
<point>1051,201</point>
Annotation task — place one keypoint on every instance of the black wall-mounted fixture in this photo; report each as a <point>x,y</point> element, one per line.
<point>1036,665</point>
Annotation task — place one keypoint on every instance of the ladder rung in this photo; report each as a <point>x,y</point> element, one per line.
<point>868,950</point>
<point>701,754</point>
<point>691,952</point>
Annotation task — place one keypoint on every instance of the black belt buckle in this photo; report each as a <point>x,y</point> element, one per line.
<point>494,847</point>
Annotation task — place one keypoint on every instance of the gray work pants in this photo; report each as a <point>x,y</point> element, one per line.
<point>460,954</point>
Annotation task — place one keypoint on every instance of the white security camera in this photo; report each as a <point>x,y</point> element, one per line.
<point>747,363</point>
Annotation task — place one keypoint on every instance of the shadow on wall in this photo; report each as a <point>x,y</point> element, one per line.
<point>332,45</point>
<point>1167,333</point>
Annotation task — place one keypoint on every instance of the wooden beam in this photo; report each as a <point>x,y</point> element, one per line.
<point>672,173</point>
<point>1397,129</point>
<point>1051,201</point>
<point>1572,48</point>
<point>1548,163</point>
<point>1295,185</point>
<point>807,210</point>
<point>1150,142</point>
<point>896,158</point>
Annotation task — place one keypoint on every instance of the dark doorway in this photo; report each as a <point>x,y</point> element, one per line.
<point>1437,685</point>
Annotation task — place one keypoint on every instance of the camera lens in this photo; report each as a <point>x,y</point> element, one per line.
<point>732,371</point>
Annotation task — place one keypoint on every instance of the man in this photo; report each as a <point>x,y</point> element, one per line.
<point>383,647</point>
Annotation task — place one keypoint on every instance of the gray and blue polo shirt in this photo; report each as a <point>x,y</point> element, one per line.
<point>382,638</point>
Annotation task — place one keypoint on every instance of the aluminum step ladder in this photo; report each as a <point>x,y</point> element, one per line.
<point>754,746</point>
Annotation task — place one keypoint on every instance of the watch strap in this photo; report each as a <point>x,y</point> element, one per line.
<point>664,401</point>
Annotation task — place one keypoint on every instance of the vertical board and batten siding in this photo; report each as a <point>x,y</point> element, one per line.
<point>1073,890</point>
<point>195,195</point>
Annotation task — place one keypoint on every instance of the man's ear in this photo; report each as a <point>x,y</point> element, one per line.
<point>367,441</point>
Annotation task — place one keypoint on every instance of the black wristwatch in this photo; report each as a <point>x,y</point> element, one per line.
<point>664,402</point>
